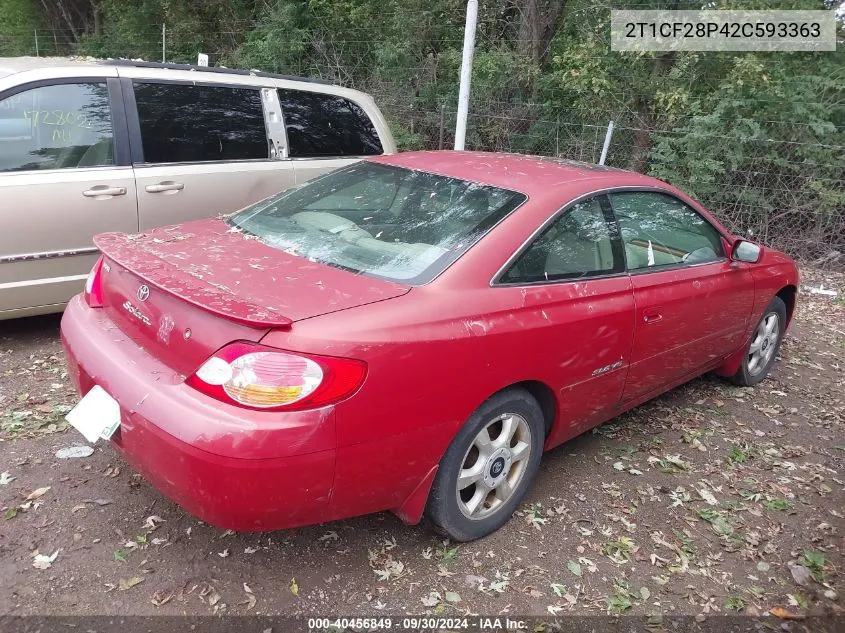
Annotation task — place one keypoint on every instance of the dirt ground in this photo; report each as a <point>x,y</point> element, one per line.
<point>709,500</point>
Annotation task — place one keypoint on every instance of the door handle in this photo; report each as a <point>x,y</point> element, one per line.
<point>652,316</point>
<point>104,190</point>
<point>166,185</point>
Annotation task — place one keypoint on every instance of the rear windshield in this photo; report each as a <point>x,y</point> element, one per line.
<point>379,220</point>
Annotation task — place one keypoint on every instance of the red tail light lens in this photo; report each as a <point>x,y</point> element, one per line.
<point>265,378</point>
<point>93,285</point>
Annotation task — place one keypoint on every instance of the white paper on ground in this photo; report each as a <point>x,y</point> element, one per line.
<point>96,415</point>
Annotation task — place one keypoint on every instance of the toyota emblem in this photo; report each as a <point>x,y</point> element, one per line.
<point>143,292</point>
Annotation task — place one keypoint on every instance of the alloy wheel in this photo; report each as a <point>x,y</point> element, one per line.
<point>764,343</point>
<point>493,466</point>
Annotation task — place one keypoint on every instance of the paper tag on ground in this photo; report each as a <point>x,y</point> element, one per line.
<point>96,415</point>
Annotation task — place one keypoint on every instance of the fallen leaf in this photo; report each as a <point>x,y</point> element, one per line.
<point>99,502</point>
<point>453,597</point>
<point>800,574</point>
<point>159,598</point>
<point>785,614</point>
<point>10,513</point>
<point>35,494</point>
<point>123,585</point>
<point>224,553</point>
<point>707,496</point>
<point>153,521</point>
<point>40,561</point>
<point>250,598</point>
<point>559,589</point>
<point>574,567</point>
<point>72,452</point>
<point>5,479</point>
<point>294,588</point>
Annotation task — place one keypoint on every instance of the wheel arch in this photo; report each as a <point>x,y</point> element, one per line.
<point>543,394</point>
<point>788,294</point>
<point>412,508</point>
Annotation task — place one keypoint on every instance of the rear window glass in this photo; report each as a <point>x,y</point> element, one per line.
<point>326,125</point>
<point>380,220</point>
<point>183,123</point>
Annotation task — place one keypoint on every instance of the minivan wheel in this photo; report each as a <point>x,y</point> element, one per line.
<point>765,343</point>
<point>488,468</point>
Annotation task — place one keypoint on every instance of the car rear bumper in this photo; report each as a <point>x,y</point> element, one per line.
<point>233,468</point>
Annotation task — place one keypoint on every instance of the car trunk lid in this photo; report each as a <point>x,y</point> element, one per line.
<point>182,292</point>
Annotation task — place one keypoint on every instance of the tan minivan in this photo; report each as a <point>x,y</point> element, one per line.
<point>94,146</point>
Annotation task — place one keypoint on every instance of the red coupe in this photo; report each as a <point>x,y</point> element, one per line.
<point>409,333</point>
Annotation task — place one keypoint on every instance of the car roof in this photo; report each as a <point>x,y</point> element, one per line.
<point>11,65</point>
<point>530,175</point>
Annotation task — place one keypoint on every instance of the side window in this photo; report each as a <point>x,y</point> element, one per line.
<point>659,230</point>
<point>578,244</point>
<point>56,127</point>
<point>326,125</point>
<point>183,123</point>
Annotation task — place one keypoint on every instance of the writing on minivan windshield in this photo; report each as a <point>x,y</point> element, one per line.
<point>380,220</point>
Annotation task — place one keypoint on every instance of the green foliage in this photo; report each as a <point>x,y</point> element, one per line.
<point>17,27</point>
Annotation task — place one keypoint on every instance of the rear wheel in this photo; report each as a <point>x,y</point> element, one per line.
<point>764,345</point>
<point>488,467</point>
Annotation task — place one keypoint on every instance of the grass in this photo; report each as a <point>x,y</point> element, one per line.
<point>735,602</point>
<point>815,561</point>
<point>448,555</point>
<point>737,454</point>
<point>777,503</point>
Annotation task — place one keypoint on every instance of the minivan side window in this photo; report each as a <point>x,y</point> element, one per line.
<point>320,124</point>
<point>56,127</point>
<point>185,123</point>
<point>660,230</point>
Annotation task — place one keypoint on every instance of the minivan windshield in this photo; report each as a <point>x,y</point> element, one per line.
<point>380,220</point>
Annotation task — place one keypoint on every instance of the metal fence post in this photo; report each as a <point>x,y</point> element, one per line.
<point>606,143</point>
<point>442,124</point>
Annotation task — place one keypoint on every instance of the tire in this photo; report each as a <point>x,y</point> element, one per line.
<point>501,470</point>
<point>763,349</point>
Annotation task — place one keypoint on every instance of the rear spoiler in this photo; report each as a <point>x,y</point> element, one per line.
<point>133,252</point>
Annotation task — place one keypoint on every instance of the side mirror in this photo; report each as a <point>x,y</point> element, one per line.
<point>745,251</point>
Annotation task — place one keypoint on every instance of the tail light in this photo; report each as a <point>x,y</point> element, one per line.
<point>258,377</point>
<point>94,285</point>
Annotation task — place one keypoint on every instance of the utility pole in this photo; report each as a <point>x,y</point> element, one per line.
<point>163,41</point>
<point>466,74</point>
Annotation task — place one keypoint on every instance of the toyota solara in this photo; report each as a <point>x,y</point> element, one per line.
<point>409,333</point>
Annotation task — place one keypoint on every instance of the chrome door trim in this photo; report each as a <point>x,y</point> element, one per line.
<point>26,257</point>
<point>28,283</point>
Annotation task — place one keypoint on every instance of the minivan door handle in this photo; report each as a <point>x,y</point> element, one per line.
<point>104,191</point>
<point>167,185</point>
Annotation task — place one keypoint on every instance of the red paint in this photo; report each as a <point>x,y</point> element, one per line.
<point>433,353</point>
